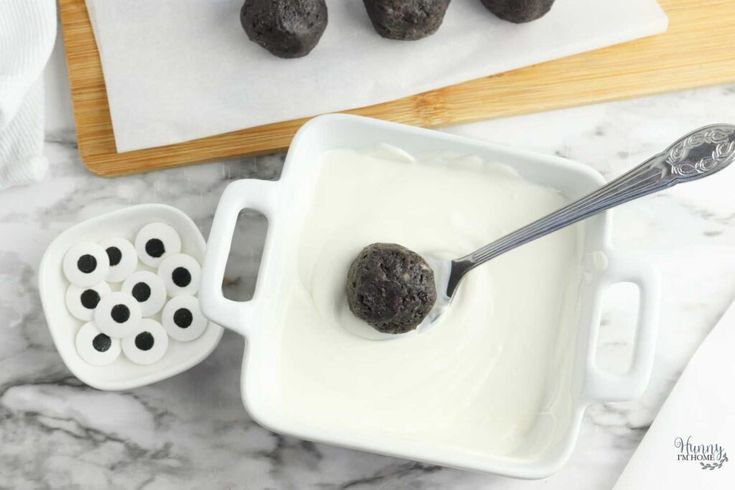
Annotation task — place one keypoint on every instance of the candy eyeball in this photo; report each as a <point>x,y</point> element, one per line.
<point>147,345</point>
<point>183,319</point>
<point>118,314</point>
<point>122,258</point>
<point>148,290</point>
<point>82,301</point>
<point>181,274</point>
<point>86,264</point>
<point>95,347</point>
<point>154,241</point>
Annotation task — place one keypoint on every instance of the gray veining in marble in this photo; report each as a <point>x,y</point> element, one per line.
<point>191,431</point>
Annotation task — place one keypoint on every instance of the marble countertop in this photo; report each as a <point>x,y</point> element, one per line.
<point>191,431</point>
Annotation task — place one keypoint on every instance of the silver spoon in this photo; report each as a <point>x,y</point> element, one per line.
<point>699,154</point>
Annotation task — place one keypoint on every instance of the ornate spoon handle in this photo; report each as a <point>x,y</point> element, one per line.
<point>698,154</point>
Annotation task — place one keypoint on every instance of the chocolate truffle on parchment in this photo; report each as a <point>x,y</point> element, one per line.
<point>519,11</point>
<point>390,287</point>
<point>406,19</point>
<point>286,28</point>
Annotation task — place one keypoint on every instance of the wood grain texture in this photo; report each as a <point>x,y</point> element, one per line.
<point>698,50</point>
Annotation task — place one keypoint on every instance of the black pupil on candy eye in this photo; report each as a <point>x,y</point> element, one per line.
<point>141,292</point>
<point>120,313</point>
<point>114,254</point>
<point>87,263</point>
<point>101,342</point>
<point>181,277</point>
<point>90,298</point>
<point>183,318</point>
<point>154,247</point>
<point>144,341</point>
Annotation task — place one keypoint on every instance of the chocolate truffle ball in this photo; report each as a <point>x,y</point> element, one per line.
<point>286,28</point>
<point>406,19</point>
<point>390,287</point>
<point>519,11</point>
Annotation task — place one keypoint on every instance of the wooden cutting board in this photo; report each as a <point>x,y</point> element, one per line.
<point>698,50</point>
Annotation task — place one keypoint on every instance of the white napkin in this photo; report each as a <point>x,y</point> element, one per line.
<point>27,34</point>
<point>699,411</point>
<point>178,70</point>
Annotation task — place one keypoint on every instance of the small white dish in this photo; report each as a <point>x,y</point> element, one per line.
<point>573,375</point>
<point>121,374</point>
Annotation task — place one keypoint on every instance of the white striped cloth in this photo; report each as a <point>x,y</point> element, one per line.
<point>27,35</point>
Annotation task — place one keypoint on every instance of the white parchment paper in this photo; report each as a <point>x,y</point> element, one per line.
<point>178,70</point>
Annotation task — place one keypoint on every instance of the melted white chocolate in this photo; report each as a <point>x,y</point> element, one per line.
<point>482,377</point>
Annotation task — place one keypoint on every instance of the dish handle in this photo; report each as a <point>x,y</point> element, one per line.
<point>239,195</point>
<point>604,386</point>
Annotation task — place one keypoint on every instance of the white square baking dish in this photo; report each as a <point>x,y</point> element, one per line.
<point>574,381</point>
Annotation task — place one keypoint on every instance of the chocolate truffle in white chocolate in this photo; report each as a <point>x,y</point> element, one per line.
<point>390,287</point>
